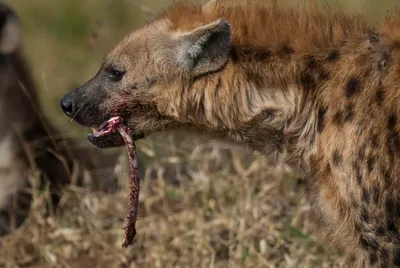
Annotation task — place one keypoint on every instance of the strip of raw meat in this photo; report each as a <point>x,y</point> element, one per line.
<point>133,198</point>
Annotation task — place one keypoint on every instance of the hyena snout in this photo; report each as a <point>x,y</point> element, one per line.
<point>83,105</point>
<point>67,105</point>
<point>81,108</point>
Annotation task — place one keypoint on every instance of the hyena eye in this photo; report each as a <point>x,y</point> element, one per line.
<point>115,75</point>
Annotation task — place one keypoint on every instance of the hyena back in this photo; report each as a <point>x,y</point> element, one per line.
<point>319,90</point>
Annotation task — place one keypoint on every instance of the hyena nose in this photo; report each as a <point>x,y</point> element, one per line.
<point>67,105</point>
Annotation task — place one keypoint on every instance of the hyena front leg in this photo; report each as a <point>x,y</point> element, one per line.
<point>362,221</point>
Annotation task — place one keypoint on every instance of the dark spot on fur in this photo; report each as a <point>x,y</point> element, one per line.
<point>358,174</point>
<point>262,55</point>
<point>264,115</point>
<point>321,119</point>
<point>286,50</point>
<point>234,54</point>
<point>338,118</point>
<point>201,106</point>
<point>352,87</point>
<point>361,153</point>
<point>337,158</point>
<point>392,210</point>
<point>384,258</point>
<point>382,65</point>
<point>374,141</point>
<point>370,163</point>
<point>267,114</point>
<point>333,55</point>
<point>386,175</point>
<point>379,96</point>
<point>366,196</point>
<point>323,75</point>
<point>134,86</point>
<point>349,113</point>
<point>373,37</point>
<point>352,258</point>
<point>312,74</point>
<point>150,81</point>
<point>311,63</point>
<point>375,194</point>
<point>255,78</point>
<point>364,214</point>
<point>391,225</point>
<point>389,204</point>
<point>217,86</point>
<point>307,80</point>
<point>373,258</point>
<point>357,226</point>
<point>396,258</point>
<point>393,138</point>
<point>369,243</point>
<point>250,53</point>
<point>380,231</point>
<point>392,120</point>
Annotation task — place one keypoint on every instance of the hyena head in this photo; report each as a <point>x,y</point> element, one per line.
<point>142,78</point>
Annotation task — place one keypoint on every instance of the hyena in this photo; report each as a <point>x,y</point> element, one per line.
<point>28,142</point>
<point>318,90</point>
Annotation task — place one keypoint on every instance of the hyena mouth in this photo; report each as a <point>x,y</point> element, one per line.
<point>108,127</point>
<point>108,134</point>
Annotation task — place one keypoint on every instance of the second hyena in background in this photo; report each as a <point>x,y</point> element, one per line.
<point>29,144</point>
<point>319,90</point>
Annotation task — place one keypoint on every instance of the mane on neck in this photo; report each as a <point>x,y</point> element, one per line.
<point>267,24</point>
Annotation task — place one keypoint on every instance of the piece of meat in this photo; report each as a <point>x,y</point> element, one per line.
<point>133,198</point>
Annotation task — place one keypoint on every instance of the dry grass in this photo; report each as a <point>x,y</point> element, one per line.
<point>201,207</point>
<point>201,204</point>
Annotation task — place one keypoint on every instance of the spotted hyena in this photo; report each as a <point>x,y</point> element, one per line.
<point>28,142</point>
<point>319,90</point>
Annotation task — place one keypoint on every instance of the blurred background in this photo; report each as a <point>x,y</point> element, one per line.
<point>203,204</point>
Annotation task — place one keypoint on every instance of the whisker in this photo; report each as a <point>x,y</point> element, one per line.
<point>77,112</point>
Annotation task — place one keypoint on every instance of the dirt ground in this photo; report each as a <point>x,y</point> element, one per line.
<point>202,203</point>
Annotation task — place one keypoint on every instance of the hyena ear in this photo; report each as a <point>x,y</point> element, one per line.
<point>10,34</point>
<point>206,48</point>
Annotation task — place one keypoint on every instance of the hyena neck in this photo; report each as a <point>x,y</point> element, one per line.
<point>255,100</point>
